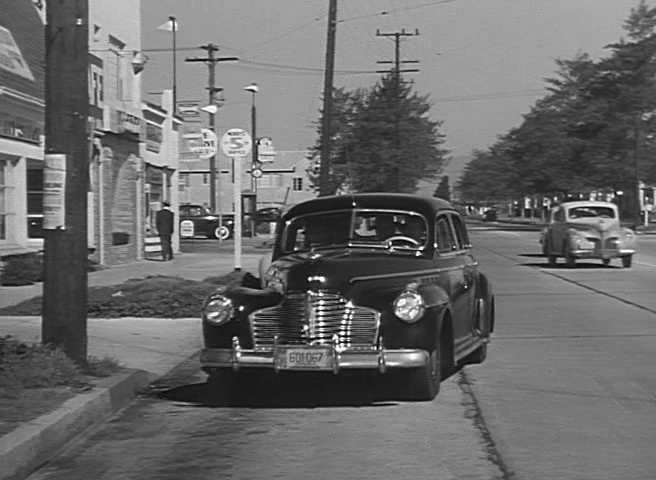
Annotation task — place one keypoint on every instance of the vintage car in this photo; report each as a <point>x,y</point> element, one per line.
<point>372,282</point>
<point>197,220</point>
<point>587,229</point>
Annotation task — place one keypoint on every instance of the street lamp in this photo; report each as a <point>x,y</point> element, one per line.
<point>253,88</point>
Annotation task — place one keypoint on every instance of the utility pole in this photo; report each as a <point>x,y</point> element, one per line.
<point>326,137</point>
<point>395,180</point>
<point>65,284</point>
<point>211,60</point>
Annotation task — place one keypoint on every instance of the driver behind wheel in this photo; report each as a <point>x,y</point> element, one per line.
<point>415,228</point>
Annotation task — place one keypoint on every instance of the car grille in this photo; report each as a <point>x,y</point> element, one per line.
<point>314,318</point>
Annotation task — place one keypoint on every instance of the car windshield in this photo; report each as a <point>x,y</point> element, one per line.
<point>591,211</point>
<point>355,228</point>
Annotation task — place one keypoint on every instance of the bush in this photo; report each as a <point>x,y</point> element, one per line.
<point>157,296</point>
<point>24,269</point>
<point>27,269</point>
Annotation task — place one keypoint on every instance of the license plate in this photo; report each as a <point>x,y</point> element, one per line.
<point>304,358</point>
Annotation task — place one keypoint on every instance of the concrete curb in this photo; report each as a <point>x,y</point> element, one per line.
<point>28,447</point>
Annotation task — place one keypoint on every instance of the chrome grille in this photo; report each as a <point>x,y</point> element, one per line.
<point>313,318</point>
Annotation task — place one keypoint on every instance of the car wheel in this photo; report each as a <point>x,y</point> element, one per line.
<point>570,260</point>
<point>605,261</point>
<point>626,261</point>
<point>222,233</point>
<point>424,382</point>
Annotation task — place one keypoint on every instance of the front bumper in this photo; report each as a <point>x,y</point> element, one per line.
<point>337,358</point>
<point>590,253</point>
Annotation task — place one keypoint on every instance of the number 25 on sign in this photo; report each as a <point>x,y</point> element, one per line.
<point>236,143</point>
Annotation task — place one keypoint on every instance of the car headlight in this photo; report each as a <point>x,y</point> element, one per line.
<point>629,236</point>
<point>274,280</point>
<point>218,310</point>
<point>409,306</point>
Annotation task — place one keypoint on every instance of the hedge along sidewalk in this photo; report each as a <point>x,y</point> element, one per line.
<point>193,266</point>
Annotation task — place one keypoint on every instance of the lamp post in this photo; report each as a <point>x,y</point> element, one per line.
<point>253,88</point>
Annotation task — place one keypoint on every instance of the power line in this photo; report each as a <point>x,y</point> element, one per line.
<point>396,10</point>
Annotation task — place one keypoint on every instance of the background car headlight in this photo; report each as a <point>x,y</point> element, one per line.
<point>218,310</point>
<point>409,307</point>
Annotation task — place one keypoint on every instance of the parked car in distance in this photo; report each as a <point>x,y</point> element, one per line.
<point>268,214</point>
<point>587,229</point>
<point>369,283</point>
<point>490,215</point>
<point>204,222</point>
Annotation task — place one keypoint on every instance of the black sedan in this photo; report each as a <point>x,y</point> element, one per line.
<point>365,283</point>
<point>197,220</point>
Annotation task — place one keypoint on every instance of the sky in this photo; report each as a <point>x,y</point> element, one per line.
<point>482,62</point>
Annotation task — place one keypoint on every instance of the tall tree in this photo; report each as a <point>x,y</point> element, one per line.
<point>382,140</point>
<point>443,190</point>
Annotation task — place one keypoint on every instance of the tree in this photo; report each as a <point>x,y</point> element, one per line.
<point>443,190</point>
<point>383,139</point>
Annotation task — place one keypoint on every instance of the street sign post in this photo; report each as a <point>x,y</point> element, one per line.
<point>237,143</point>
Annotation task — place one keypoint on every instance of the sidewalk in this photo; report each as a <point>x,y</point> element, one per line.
<point>148,347</point>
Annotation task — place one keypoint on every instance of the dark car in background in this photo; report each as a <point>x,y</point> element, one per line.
<point>490,215</point>
<point>197,220</point>
<point>369,283</point>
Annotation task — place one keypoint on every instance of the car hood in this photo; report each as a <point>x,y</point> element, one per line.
<point>348,271</point>
<point>600,225</point>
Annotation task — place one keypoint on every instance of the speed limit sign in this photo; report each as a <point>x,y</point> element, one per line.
<point>236,143</point>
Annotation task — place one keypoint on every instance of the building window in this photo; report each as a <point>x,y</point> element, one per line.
<point>297,184</point>
<point>34,202</point>
<point>4,194</point>
<point>206,178</point>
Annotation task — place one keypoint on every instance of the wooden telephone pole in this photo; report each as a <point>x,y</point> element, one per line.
<point>394,183</point>
<point>65,202</point>
<point>326,136</point>
<point>211,60</point>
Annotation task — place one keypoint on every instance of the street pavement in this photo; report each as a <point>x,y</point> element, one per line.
<point>148,347</point>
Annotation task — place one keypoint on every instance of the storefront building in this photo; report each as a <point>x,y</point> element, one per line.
<point>22,81</point>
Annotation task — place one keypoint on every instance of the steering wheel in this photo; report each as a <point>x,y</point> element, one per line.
<point>603,215</point>
<point>402,238</point>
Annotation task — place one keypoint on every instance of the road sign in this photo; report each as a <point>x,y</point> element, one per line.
<point>236,143</point>
<point>265,150</point>
<point>207,149</point>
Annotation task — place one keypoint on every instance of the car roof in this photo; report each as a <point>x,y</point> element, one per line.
<point>389,201</point>
<point>587,203</point>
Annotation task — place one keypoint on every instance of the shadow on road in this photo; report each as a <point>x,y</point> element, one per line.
<point>581,264</point>
<point>290,391</point>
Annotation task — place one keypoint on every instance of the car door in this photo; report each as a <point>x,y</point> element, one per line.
<point>470,269</point>
<point>449,261</point>
<point>557,230</point>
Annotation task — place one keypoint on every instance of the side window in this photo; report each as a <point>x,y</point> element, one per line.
<point>445,239</point>
<point>461,232</point>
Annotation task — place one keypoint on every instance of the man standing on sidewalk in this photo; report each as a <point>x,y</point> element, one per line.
<point>164,223</point>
